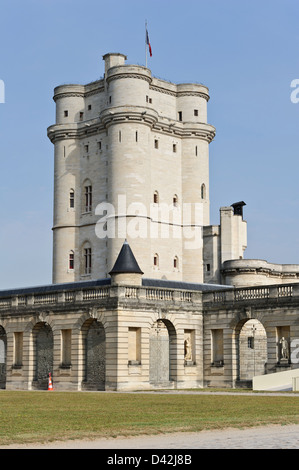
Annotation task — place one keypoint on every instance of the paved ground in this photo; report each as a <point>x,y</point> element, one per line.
<point>269,437</point>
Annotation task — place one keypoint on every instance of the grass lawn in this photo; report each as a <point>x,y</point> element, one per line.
<point>47,416</point>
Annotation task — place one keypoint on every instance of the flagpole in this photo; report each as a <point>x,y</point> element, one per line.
<point>145,44</point>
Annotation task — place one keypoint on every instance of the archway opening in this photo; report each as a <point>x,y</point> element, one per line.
<point>252,350</point>
<point>3,347</point>
<point>43,355</point>
<point>94,355</point>
<point>163,353</point>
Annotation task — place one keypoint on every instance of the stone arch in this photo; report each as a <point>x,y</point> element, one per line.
<point>163,352</point>
<point>42,335</point>
<point>93,355</point>
<point>3,349</point>
<point>251,349</point>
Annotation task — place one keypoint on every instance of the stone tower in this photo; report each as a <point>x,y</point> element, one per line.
<point>131,162</point>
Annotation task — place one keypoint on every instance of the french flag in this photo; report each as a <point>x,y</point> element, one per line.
<point>148,43</point>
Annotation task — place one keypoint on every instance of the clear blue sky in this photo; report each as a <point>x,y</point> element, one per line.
<point>246,52</point>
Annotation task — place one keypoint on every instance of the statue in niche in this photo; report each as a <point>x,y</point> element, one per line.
<point>187,348</point>
<point>284,348</point>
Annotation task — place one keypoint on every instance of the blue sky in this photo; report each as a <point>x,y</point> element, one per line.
<point>246,52</point>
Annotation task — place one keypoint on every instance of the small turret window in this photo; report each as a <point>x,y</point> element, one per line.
<point>71,260</point>
<point>72,198</point>
<point>176,262</point>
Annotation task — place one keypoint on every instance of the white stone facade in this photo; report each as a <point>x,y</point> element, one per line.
<point>132,139</point>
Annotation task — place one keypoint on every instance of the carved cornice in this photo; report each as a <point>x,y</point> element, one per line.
<point>68,95</point>
<point>123,114</point>
<point>129,75</point>
<point>178,94</point>
<point>76,94</point>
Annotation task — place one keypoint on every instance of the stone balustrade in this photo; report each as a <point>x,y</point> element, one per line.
<point>148,294</point>
<point>278,292</point>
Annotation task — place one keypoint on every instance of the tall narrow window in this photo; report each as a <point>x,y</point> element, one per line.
<point>175,262</point>
<point>119,136</point>
<point>134,346</point>
<point>175,200</point>
<point>174,148</point>
<point>18,349</point>
<point>81,116</point>
<point>156,197</point>
<point>71,260</point>
<point>217,347</point>
<point>72,198</point>
<point>203,191</point>
<point>88,198</point>
<point>87,260</point>
<point>66,347</point>
<point>136,136</point>
<point>66,113</point>
<point>156,260</point>
<point>196,150</point>
<point>156,143</point>
<point>180,115</point>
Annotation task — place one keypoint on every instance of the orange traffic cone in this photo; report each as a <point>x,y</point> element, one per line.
<point>50,386</point>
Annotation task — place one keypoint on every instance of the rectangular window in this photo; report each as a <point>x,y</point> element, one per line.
<point>180,114</point>
<point>195,112</point>
<point>174,148</point>
<point>134,346</point>
<point>156,144</point>
<point>88,198</point>
<point>196,150</point>
<point>87,260</point>
<point>136,136</point>
<point>66,347</point>
<point>217,347</point>
<point>71,260</point>
<point>18,349</point>
<point>250,342</point>
<point>66,113</point>
<point>100,145</point>
<point>81,116</point>
<point>86,148</point>
<point>89,107</point>
<point>72,199</point>
<point>119,136</point>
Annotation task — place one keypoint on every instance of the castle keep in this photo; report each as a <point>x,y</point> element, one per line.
<point>146,293</point>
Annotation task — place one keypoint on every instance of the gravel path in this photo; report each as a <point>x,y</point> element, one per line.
<point>268,437</point>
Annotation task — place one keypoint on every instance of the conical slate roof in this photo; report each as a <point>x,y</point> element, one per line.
<point>126,262</point>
